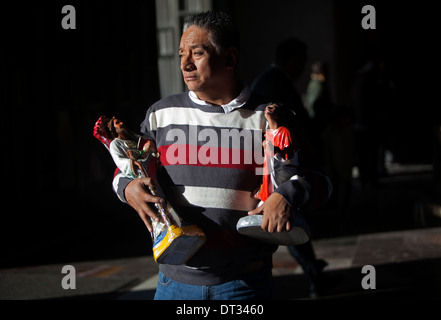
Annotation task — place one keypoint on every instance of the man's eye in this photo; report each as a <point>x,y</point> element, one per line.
<point>198,53</point>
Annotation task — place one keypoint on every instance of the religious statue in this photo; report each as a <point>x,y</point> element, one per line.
<point>174,240</point>
<point>281,160</point>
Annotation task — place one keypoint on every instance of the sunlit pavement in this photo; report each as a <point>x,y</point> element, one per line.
<point>403,264</point>
<point>406,264</point>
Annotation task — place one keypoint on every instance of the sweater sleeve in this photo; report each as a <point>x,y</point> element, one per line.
<point>119,184</point>
<point>308,188</point>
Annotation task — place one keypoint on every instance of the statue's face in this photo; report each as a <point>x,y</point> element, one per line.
<point>271,112</point>
<point>118,125</point>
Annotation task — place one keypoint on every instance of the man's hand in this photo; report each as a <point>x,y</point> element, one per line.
<point>276,212</point>
<point>138,197</point>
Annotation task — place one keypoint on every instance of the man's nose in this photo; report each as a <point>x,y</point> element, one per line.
<point>187,63</point>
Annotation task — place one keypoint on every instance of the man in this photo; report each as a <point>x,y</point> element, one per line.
<point>206,139</point>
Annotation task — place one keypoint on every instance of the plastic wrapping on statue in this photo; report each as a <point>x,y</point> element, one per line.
<point>174,241</point>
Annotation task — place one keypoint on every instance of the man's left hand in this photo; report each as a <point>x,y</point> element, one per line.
<point>276,212</point>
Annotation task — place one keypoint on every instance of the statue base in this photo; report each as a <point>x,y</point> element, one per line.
<point>176,245</point>
<point>298,234</point>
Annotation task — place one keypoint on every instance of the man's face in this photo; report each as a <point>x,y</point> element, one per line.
<point>202,68</point>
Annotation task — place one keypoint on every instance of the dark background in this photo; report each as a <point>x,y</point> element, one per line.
<point>58,203</point>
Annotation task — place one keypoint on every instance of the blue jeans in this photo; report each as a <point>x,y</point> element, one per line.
<point>252,286</point>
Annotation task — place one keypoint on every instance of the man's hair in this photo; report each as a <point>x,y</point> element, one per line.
<point>289,48</point>
<point>223,33</point>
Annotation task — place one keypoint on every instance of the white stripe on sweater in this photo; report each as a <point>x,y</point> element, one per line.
<point>248,119</point>
<point>208,197</point>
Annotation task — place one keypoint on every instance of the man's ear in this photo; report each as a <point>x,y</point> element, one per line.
<point>232,58</point>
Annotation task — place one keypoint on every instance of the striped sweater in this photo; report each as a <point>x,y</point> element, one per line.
<point>212,161</point>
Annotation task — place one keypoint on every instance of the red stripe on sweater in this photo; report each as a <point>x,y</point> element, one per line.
<point>184,154</point>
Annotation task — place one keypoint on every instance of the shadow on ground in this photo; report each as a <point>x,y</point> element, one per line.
<point>419,279</point>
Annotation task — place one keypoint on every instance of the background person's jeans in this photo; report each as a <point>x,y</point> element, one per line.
<point>252,286</point>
